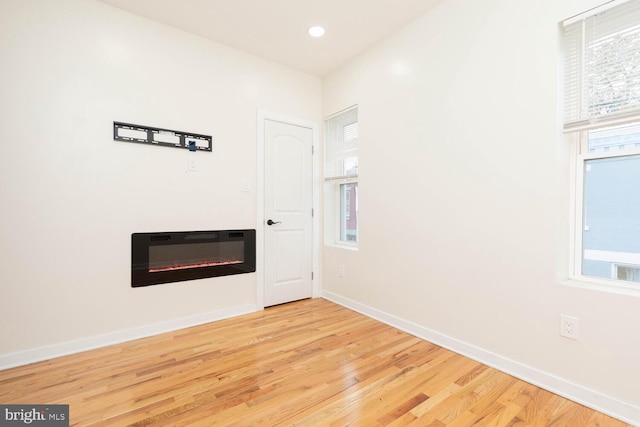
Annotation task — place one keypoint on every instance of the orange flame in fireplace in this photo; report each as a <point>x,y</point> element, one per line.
<point>197,265</point>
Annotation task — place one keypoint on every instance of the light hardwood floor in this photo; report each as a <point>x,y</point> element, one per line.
<point>308,363</point>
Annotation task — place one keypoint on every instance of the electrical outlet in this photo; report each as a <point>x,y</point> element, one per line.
<point>569,326</point>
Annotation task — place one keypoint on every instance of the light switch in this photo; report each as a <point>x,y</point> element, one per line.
<point>192,164</point>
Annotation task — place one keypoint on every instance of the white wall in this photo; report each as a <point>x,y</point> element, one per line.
<point>463,198</point>
<point>71,196</point>
<point>461,179</point>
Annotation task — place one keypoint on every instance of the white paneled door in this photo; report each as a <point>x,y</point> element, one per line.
<point>287,212</point>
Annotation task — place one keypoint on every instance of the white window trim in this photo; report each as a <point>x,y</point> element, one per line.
<point>333,239</point>
<point>338,241</point>
<point>579,155</point>
<point>575,127</point>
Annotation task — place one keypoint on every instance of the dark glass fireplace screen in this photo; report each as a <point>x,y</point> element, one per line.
<point>176,256</point>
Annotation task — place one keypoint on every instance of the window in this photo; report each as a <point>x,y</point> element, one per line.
<point>341,178</point>
<point>602,121</point>
<point>348,212</point>
<point>628,273</point>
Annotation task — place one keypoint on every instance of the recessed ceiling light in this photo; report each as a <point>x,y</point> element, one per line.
<point>316,31</point>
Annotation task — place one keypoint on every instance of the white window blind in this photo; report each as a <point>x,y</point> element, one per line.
<point>341,148</point>
<point>350,131</point>
<point>602,68</point>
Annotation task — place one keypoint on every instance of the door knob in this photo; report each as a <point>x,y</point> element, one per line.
<point>271,222</point>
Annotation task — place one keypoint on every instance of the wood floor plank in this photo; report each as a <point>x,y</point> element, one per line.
<point>308,363</point>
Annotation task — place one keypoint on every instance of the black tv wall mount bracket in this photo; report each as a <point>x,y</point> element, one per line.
<point>128,132</point>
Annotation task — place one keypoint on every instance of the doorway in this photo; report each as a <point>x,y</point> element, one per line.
<point>286,212</point>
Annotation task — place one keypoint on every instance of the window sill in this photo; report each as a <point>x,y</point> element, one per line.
<point>353,248</point>
<point>603,285</point>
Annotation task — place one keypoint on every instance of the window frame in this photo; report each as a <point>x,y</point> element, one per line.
<point>581,37</point>
<point>580,155</point>
<point>333,183</point>
<point>339,229</point>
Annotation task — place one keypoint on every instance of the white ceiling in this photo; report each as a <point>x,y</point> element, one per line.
<point>277,29</point>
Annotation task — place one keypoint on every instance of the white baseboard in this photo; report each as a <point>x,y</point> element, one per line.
<point>621,410</point>
<point>20,358</point>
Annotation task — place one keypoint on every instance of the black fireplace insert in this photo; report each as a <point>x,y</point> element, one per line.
<point>187,255</point>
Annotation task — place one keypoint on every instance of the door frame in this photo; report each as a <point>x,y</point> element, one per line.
<point>260,191</point>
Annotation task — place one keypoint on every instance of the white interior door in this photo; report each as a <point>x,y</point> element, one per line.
<point>288,212</point>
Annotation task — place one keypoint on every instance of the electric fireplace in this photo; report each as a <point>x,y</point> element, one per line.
<point>176,256</point>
